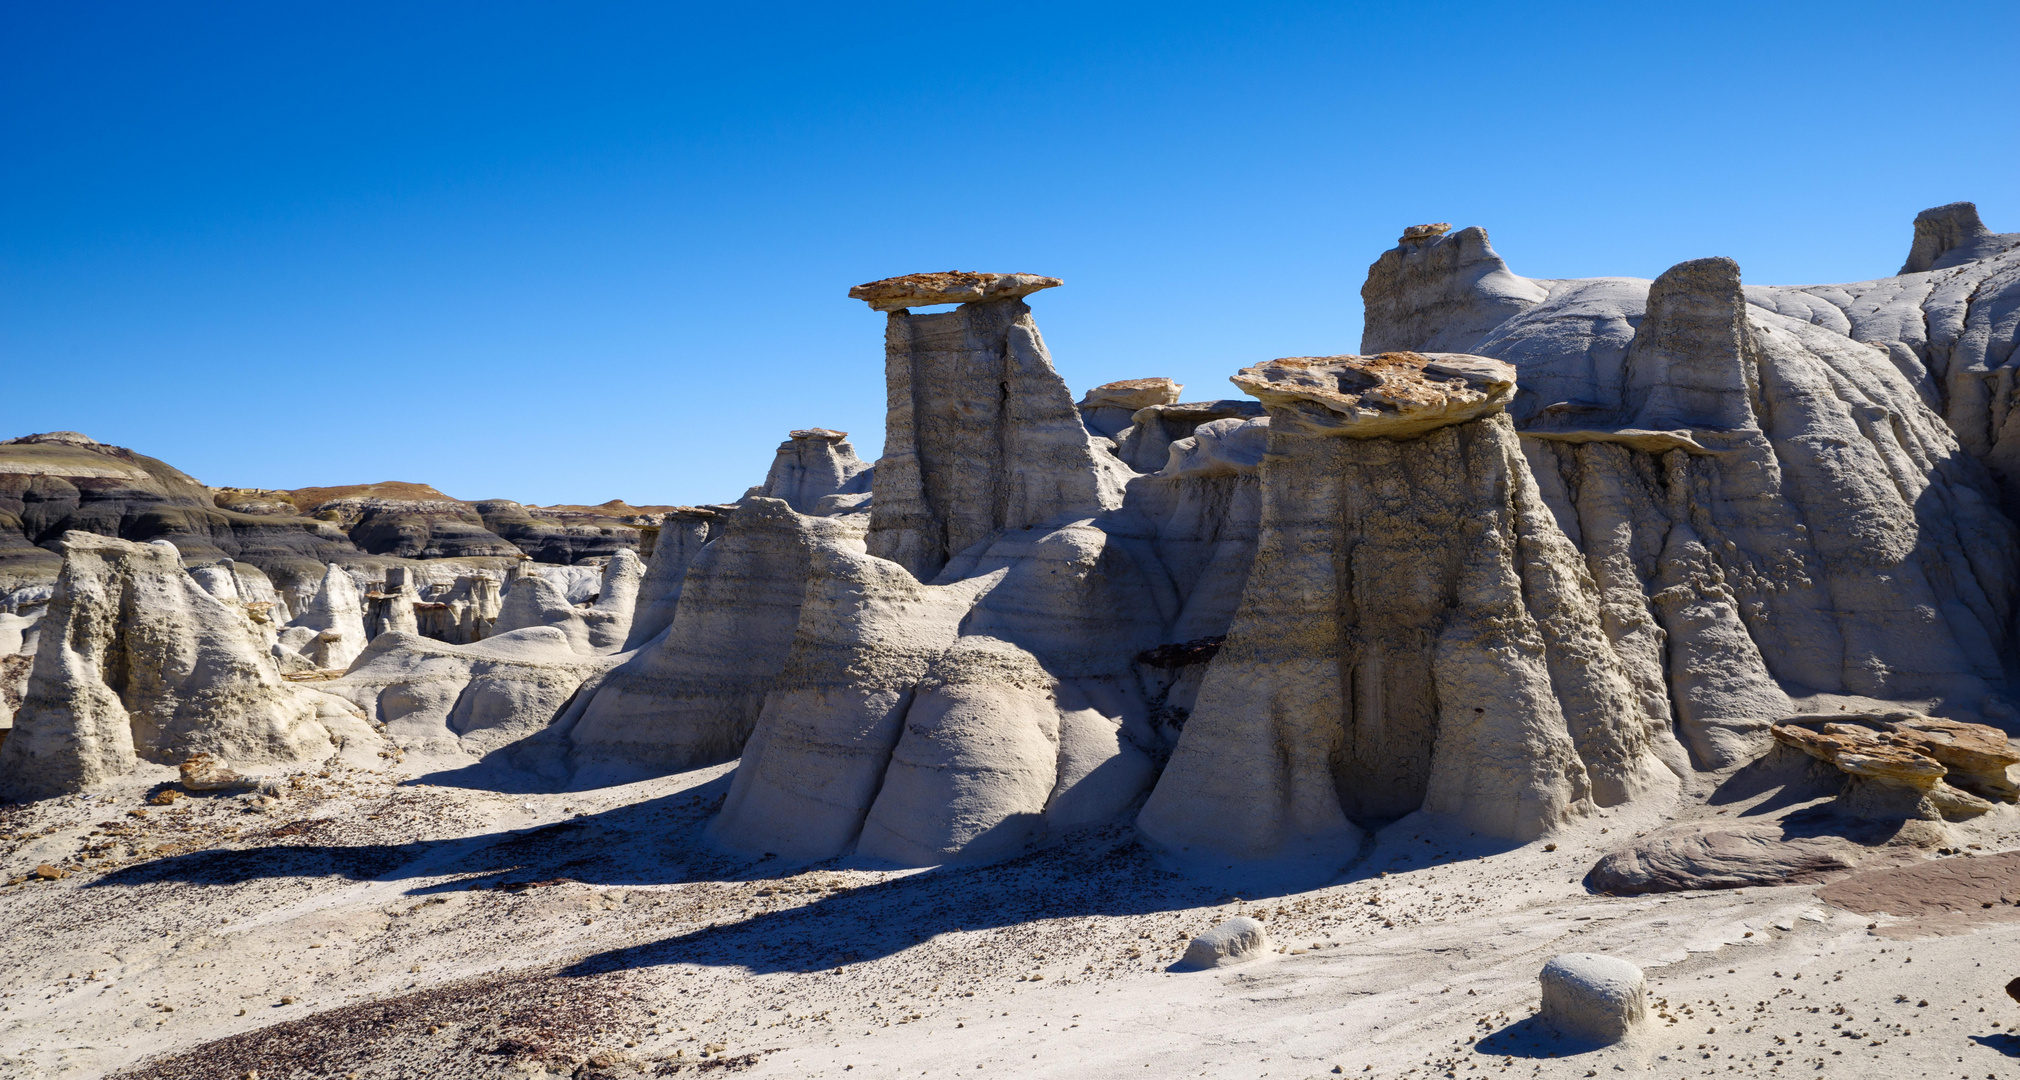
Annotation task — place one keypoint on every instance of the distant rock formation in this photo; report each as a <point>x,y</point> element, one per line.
<point>139,662</point>
<point>598,627</point>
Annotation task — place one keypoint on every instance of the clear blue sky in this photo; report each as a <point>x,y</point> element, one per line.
<point>577,251</point>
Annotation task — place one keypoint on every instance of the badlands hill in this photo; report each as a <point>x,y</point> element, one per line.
<point>1666,620</point>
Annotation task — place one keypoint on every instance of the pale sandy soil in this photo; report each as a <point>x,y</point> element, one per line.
<point>353,928</point>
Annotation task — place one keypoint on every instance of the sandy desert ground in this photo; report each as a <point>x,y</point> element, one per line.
<point>365,924</point>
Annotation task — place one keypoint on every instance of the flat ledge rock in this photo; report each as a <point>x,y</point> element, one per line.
<point>948,287</point>
<point>1392,395</point>
<point>1133,394</point>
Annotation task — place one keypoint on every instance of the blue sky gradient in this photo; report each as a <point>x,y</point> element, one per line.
<point>573,252</point>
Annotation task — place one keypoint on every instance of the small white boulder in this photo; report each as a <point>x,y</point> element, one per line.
<point>1235,941</point>
<point>1585,995</point>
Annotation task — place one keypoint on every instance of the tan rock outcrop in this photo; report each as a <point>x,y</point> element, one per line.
<point>948,287</point>
<point>1107,409</point>
<point>1935,766</point>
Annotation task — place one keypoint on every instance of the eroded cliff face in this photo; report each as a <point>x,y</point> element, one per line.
<point>1550,545</point>
<point>1416,632</point>
<point>1780,492</point>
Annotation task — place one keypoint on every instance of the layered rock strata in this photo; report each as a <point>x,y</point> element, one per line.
<point>1763,494</point>
<point>1904,765</point>
<point>1416,633</point>
<point>816,471</point>
<point>980,432</point>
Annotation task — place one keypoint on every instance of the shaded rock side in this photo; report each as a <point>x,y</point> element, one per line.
<point>981,434</point>
<point>692,697</point>
<point>1145,445</point>
<point>137,661</point>
<point>1416,633</point>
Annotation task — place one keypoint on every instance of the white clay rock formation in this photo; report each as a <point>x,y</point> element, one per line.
<point>139,662</point>
<point>1599,999</point>
<point>1416,632</point>
<point>596,627</point>
<point>981,434</point>
<point>814,465</point>
<point>1701,585</point>
<point>1771,482</point>
<point>680,538</point>
<point>471,699</point>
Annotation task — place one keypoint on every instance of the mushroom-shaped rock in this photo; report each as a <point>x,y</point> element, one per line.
<point>1392,395</point>
<point>1588,996</point>
<point>948,287</point>
<point>1234,941</point>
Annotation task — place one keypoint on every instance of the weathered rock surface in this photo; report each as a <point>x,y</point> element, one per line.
<point>1234,941</point>
<point>1760,471</point>
<point>1146,443</point>
<point>1109,409</point>
<point>137,662</point>
<point>599,627</point>
<point>1930,766</point>
<point>813,465</point>
<point>1416,632</point>
<point>692,697</point>
<point>682,533</point>
<point>330,631</point>
<point>1725,856</point>
<point>948,287</point>
<point>981,434</point>
<point>1602,999</point>
<point>57,482</point>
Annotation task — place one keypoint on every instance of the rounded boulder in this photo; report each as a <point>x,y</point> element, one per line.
<point>1234,941</point>
<point>1588,996</point>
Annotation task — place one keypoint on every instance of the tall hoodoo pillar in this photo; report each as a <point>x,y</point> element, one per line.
<point>981,433</point>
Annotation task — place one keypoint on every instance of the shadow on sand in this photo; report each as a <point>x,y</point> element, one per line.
<point>1103,870</point>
